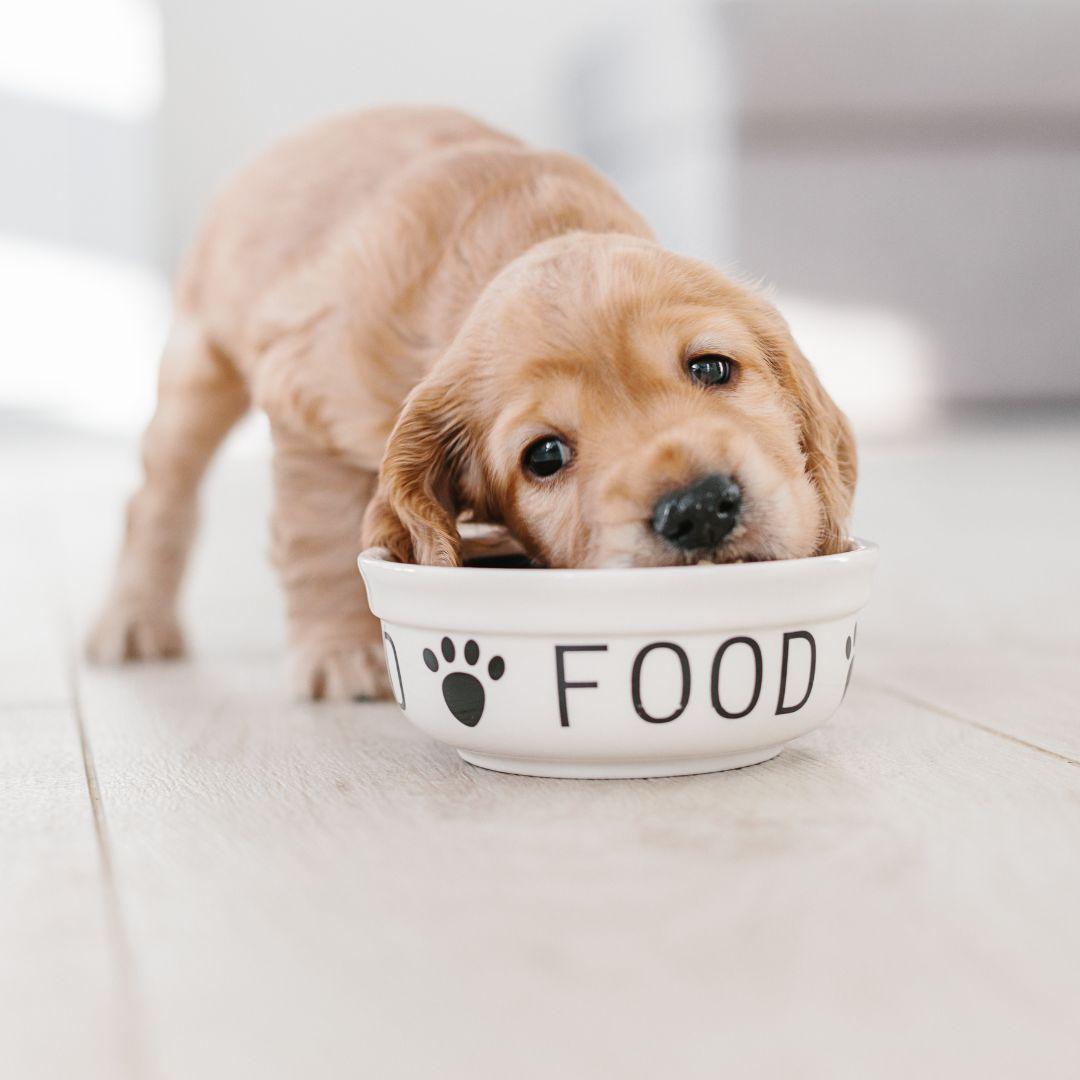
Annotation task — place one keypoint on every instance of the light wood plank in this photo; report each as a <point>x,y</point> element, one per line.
<point>1033,697</point>
<point>33,654</point>
<point>974,605</point>
<point>64,999</point>
<point>314,890</point>
<point>67,986</point>
<point>318,885</point>
<point>976,532</point>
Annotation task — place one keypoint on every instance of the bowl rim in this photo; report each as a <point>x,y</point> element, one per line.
<point>621,600</point>
<point>860,549</point>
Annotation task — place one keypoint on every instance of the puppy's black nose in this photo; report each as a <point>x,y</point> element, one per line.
<point>698,517</point>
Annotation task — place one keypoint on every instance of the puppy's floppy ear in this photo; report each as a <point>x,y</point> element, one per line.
<point>413,514</point>
<point>827,442</point>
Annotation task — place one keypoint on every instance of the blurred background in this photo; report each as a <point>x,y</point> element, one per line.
<point>904,177</point>
<point>199,878</point>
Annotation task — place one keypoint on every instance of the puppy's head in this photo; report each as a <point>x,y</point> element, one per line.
<point>614,404</point>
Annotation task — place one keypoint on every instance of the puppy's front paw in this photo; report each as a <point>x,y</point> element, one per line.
<point>340,673</point>
<point>127,631</point>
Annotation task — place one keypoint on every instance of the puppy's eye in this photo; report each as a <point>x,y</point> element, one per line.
<point>546,456</point>
<point>711,369</point>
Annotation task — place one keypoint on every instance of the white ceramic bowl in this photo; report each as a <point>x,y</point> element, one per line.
<point>620,673</point>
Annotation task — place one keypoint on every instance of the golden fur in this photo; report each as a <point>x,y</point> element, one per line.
<point>413,297</point>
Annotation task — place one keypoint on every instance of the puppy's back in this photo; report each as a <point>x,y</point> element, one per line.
<point>280,210</point>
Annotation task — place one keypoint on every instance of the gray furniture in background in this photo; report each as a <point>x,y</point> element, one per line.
<point>917,159</point>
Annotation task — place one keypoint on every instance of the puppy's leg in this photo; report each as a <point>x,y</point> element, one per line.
<point>200,397</point>
<point>335,641</point>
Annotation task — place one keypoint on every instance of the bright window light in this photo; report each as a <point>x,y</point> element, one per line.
<point>81,335</point>
<point>81,341</point>
<point>98,55</point>
<point>875,363</point>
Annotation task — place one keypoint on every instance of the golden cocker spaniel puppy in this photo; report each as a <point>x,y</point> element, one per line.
<point>442,322</point>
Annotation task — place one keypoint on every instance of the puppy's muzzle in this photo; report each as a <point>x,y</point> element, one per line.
<point>700,516</point>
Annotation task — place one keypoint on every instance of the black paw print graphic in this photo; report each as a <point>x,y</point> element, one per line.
<point>462,690</point>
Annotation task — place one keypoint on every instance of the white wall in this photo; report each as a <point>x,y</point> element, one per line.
<point>911,169</point>
<point>120,117</point>
<point>84,306</point>
<point>239,73</point>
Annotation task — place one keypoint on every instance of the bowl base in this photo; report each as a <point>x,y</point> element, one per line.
<point>620,770</point>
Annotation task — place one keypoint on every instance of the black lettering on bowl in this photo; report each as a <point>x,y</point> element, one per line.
<point>849,652</point>
<point>795,635</point>
<point>560,676</point>
<point>718,660</point>
<point>396,685</point>
<point>635,681</point>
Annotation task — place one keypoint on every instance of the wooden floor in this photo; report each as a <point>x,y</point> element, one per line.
<point>199,879</point>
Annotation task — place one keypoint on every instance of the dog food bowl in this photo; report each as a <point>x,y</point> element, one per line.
<point>620,673</point>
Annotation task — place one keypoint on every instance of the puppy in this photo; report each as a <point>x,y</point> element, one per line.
<point>444,324</point>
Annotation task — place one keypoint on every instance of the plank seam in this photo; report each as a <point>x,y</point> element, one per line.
<point>922,703</point>
<point>132,1026</point>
